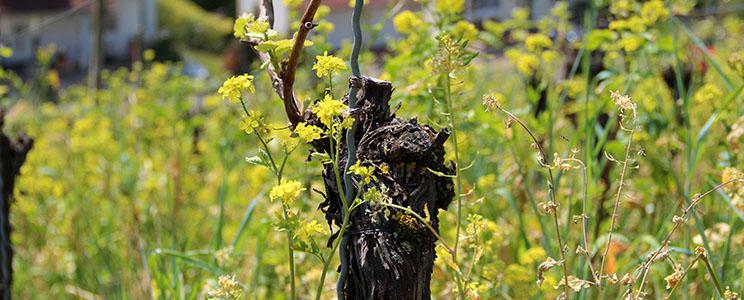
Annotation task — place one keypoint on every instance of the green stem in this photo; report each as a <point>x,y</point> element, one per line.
<point>278,173</point>
<point>458,179</point>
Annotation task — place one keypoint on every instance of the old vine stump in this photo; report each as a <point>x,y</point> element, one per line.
<point>390,254</point>
<point>12,156</point>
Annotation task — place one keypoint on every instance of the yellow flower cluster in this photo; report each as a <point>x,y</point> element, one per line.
<point>234,87</point>
<point>287,191</point>
<point>449,6</point>
<point>634,24</point>
<point>407,22</point>
<point>252,123</point>
<point>654,11</point>
<point>537,41</point>
<point>526,63</point>
<point>465,30</point>
<point>307,229</point>
<point>328,64</point>
<point>328,109</point>
<point>708,94</point>
<point>367,173</point>
<point>308,133</point>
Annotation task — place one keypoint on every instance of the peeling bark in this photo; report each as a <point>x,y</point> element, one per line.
<point>12,156</point>
<point>389,259</point>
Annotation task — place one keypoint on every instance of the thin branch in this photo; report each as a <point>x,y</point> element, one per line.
<point>291,105</point>
<point>553,202</point>
<point>678,221</point>
<point>283,80</point>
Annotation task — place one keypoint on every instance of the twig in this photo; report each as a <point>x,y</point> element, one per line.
<point>291,105</point>
<point>283,80</point>
<point>551,188</point>
<point>616,205</point>
<point>678,221</point>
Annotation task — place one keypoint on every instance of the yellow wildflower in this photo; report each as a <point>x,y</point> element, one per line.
<point>148,55</point>
<point>708,94</point>
<point>465,30</point>
<point>526,63</point>
<point>367,173</point>
<point>234,87</point>
<point>621,7</point>
<point>5,51</point>
<point>654,11</point>
<point>308,133</point>
<point>287,191</point>
<point>327,109</point>
<point>634,24</point>
<point>631,43</point>
<point>407,22</point>
<point>450,6</point>
<point>550,56</point>
<point>327,64</point>
<point>252,123</point>
<point>307,230</point>
<point>532,256</point>
<point>537,41</point>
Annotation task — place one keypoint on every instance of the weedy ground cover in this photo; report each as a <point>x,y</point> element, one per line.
<point>596,166</point>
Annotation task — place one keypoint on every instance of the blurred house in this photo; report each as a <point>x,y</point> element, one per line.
<point>476,11</point>
<point>26,25</point>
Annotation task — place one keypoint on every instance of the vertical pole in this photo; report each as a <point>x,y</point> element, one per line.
<point>96,44</point>
<point>350,142</point>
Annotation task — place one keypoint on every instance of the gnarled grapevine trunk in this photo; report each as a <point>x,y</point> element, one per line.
<point>390,255</point>
<point>12,155</point>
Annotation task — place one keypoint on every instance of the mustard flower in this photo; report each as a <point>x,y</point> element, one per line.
<point>708,94</point>
<point>631,43</point>
<point>307,230</point>
<point>367,173</point>
<point>526,63</point>
<point>327,109</point>
<point>654,11</point>
<point>234,87</point>
<point>537,41</point>
<point>407,22</point>
<point>252,123</point>
<point>308,133</point>
<point>287,191</point>
<point>465,30</point>
<point>327,64</point>
<point>449,6</point>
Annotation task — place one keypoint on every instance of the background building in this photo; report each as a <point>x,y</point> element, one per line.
<point>26,25</point>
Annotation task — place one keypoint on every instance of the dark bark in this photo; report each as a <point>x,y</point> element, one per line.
<point>390,259</point>
<point>12,156</point>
